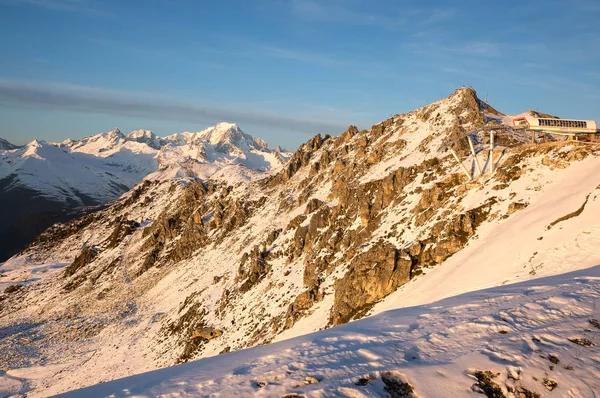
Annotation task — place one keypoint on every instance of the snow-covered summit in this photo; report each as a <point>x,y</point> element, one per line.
<point>147,137</point>
<point>230,134</point>
<point>204,153</point>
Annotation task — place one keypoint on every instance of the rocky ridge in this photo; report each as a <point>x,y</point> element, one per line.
<point>185,269</point>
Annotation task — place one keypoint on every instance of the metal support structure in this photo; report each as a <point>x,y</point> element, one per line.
<point>460,163</point>
<point>474,154</point>
<point>491,155</point>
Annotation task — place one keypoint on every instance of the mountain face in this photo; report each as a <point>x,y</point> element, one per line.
<point>46,182</point>
<point>180,269</point>
<point>5,145</point>
<point>218,148</point>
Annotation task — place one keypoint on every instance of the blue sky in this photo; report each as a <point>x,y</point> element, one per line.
<point>284,69</point>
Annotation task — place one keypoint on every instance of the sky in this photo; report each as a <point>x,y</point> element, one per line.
<point>284,70</point>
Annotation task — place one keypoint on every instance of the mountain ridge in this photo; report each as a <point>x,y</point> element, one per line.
<point>101,167</point>
<point>5,145</point>
<point>180,269</point>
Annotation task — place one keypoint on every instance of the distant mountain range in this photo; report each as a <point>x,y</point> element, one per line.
<point>44,182</point>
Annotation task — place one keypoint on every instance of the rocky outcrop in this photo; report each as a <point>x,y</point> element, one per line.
<point>122,229</point>
<point>253,268</point>
<point>303,156</point>
<point>371,276</point>
<point>86,256</point>
<point>191,330</point>
<point>302,303</point>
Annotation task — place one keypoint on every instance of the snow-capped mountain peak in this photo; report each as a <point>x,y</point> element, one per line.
<point>147,137</point>
<point>229,134</point>
<point>141,134</point>
<point>204,153</point>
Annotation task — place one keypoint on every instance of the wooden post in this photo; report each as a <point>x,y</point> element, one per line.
<point>532,137</point>
<point>474,154</point>
<point>460,163</point>
<point>491,155</point>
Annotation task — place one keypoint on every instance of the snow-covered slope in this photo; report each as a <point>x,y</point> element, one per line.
<point>354,225</point>
<point>84,173</point>
<point>526,339</point>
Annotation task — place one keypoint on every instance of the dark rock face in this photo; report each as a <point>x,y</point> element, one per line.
<point>371,276</point>
<point>486,384</point>
<point>396,387</point>
<point>301,304</point>
<point>516,206</point>
<point>12,289</point>
<point>86,256</point>
<point>184,222</point>
<point>303,156</point>
<point>192,331</point>
<point>122,229</point>
<point>253,268</point>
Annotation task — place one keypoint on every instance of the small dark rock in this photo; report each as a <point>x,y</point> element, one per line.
<point>581,341</point>
<point>595,323</point>
<point>396,387</point>
<point>486,385</point>
<point>12,288</point>
<point>363,381</point>
<point>525,393</point>
<point>550,384</point>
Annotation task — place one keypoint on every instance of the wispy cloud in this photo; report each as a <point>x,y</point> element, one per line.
<point>92,100</point>
<point>82,6</point>
<point>370,67</point>
<point>473,49</point>
<point>350,13</point>
<point>300,55</point>
<point>439,14</point>
<point>585,6</point>
<point>328,11</point>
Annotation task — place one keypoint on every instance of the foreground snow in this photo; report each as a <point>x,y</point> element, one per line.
<point>520,332</point>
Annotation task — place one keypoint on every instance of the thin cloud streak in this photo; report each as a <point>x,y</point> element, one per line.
<point>343,12</point>
<point>83,99</point>
<point>77,6</point>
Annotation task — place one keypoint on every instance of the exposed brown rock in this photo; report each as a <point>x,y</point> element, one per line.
<point>516,206</point>
<point>86,256</point>
<point>371,276</point>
